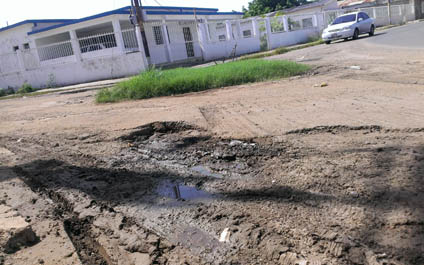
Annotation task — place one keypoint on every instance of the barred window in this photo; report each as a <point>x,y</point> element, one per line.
<point>247,33</point>
<point>220,25</point>
<point>307,23</point>
<point>157,32</point>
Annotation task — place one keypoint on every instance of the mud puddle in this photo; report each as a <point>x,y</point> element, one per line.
<point>183,192</point>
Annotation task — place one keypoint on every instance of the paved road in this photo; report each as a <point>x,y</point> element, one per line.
<point>408,36</point>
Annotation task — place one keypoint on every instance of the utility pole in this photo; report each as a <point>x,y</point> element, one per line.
<point>139,16</point>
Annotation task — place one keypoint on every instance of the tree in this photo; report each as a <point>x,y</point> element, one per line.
<point>260,7</point>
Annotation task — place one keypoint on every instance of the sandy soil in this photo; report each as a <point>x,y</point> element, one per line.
<point>292,171</point>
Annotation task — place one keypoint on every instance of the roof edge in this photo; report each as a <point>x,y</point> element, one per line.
<point>192,13</point>
<point>126,11</point>
<point>32,21</point>
<point>123,10</point>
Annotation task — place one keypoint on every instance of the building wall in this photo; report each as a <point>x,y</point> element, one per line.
<point>77,72</point>
<point>14,37</point>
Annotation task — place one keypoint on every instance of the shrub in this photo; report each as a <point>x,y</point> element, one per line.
<point>10,91</point>
<point>3,92</point>
<point>25,88</point>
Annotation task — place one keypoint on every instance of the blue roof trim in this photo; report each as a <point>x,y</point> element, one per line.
<point>192,13</point>
<point>32,21</point>
<point>126,11</point>
<point>122,11</point>
<point>180,8</point>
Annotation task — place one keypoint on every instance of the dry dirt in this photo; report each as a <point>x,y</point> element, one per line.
<point>283,172</point>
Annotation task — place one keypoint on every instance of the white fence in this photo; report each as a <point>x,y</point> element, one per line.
<point>55,51</point>
<point>232,38</point>
<point>398,14</point>
<point>97,42</point>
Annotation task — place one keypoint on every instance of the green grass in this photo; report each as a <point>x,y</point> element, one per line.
<point>33,94</point>
<point>157,83</point>
<point>281,50</point>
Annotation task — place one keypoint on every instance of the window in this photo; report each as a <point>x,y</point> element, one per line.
<point>222,38</point>
<point>220,25</point>
<point>247,33</point>
<point>15,48</point>
<point>157,32</point>
<point>345,19</point>
<point>307,23</point>
<point>189,41</point>
<point>365,16</point>
<point>26,46</point>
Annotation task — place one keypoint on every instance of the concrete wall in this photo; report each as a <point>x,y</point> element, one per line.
<point>77,72</point>
<point>14,37</point>
<point>293,37</point>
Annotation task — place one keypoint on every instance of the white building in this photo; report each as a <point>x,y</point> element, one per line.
<point>47,53</point>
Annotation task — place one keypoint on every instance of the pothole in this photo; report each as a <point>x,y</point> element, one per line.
<point>180,191</point>
<point>146,131</point>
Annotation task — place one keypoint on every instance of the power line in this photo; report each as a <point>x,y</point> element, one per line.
<point>157,2</point>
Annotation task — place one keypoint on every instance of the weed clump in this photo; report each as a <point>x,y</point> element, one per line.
<point>157,83</point>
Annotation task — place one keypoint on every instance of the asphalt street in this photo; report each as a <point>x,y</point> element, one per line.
<point>407,36</point>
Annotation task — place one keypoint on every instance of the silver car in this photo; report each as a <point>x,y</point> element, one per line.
<point>349,26</point>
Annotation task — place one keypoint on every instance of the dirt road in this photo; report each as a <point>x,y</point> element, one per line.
<point>239,175</point>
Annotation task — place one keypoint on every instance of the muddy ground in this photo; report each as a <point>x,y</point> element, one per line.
<point>283,172</point>
<point>166,191</point>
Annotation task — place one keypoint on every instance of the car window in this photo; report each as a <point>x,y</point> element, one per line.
<point>345,19</point>
<point>365,16</point>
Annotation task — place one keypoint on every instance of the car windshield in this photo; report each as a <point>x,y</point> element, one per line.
<point>344,19</point>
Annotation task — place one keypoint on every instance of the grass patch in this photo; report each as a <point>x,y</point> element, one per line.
<point>25,88</point>
<point>33,94</point>
<point>281,50</point>
<point>157,83</point>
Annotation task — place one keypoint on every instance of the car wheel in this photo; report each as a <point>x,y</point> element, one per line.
<point>372,30</point>
<point>356,34</point>
<point>327,41</point>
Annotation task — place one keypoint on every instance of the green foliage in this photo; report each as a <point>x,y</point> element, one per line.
<point>259,7</point>
<point>156,83</point>
<point>6,92</point>
<point>10,91</point>
<point>25,88</point>
<point>277,24</point>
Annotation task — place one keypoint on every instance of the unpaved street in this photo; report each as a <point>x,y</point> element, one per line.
<point>325,168</point>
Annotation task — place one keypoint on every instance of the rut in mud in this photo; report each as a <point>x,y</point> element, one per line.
<point>78,230</point>
<point>166,192</point>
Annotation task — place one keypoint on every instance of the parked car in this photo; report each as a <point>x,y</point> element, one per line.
<point>349,26</point>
